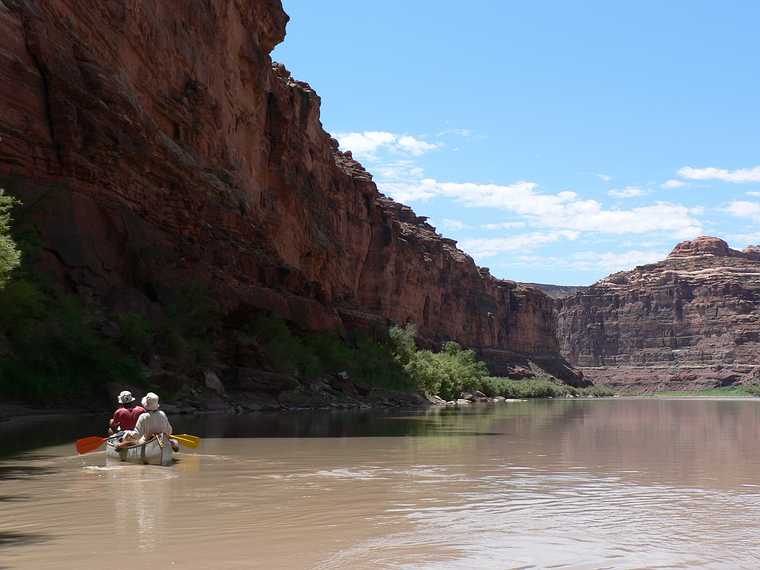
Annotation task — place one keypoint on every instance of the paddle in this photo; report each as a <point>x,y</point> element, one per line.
<point>88,444</point>
<point>188,440</point>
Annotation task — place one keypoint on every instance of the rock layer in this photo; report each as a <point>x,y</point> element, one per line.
<point>690,321</point>
<point>156,143</point>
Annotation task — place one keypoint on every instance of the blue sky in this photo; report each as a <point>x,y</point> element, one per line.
<point>557,141</point>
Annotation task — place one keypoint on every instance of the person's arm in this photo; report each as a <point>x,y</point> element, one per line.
<point>167,425</point>
<point>140,425</point>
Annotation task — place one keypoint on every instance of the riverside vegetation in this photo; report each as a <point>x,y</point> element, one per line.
<point>53,346</point>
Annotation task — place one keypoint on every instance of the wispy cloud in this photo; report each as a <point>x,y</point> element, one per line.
<point>449,224</point>
<point>744,209</point>
<point>743,240</point>
<point>603,177</point>
<point>598,261</point>
<point>503,226</point>
<point>456,132</point>
<point>673,183</point>
<point>754,194</point>
<point>367,144</point>
<point>739,176</point>
<point>627,192</point>
<point>563,211</point>
<point>398,170</point>
<point>489,247</point>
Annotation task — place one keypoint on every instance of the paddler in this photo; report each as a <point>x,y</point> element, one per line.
<point>126,415</point>
<point>154,421</point>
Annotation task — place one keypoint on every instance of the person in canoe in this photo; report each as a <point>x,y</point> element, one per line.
<point>154,421</point>
<point>126,415</point>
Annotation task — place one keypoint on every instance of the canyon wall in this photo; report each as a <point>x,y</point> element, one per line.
<point>688,322</point>
<point>155,143</point>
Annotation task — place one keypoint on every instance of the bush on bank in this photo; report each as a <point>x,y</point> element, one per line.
<point>454,370</point>
<point>10,256</point>
<point>539,388</point>
<point>367,360</point>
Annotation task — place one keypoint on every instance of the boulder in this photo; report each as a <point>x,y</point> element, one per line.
<point>254,380</point>
<point>213,382</point>
<point>436,400</point>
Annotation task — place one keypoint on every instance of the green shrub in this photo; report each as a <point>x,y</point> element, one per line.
<point>375,364</point>
<point>137,334</point>
<point>324,354</point>
<point>597,391</point>
<point>518,389</point>
<point>402,342</point>
<point>446,373</point>
<point>56,349</point>
<point>191,317</point>
<point>10,256</point>
<point>538,388</point>
<point>453,369</point>
<point>286,351</point>
<point>752,389</point>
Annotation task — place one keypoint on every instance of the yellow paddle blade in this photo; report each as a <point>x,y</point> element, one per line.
<point>187,440</point>
<point>193,438</point>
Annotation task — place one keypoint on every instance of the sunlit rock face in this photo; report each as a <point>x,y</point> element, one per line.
<point>156,143</point>
<point>690,321</point>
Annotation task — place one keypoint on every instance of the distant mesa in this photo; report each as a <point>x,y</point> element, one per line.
<point>708,245</point>
<point>703,245</point>
<point>691,321</point>
<point>556,291</point>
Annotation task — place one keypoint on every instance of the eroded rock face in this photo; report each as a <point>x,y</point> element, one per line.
<point>690,321</point>
<point>153,144</point>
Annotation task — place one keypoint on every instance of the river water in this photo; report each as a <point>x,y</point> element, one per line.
<point>621,483</point>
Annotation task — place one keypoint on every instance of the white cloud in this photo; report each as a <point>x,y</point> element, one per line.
<point>366,145</point>
<point>406,191</point>
<point>398,170</point>
<point>457,132</point>
<point>488,247</point>
<point>736,176</point>
<point>755,194</point>
<point>614,261</point>
<point>752,238</point>
<point>673,183</point>
<point>448,224</point>
<point>627,192</point>
<point>503,226</point>
<point>744,209</point>
<point>413,146</point>
<point>561,211</point>
<point>599,261</point>
<point>603,177</point>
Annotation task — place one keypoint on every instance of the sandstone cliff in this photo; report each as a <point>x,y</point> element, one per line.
<point>690,321</point>
<point>155,143</point>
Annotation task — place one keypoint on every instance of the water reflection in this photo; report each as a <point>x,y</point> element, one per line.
<point>140,497</point>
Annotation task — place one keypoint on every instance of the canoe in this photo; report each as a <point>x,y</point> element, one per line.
<point>155,451</point>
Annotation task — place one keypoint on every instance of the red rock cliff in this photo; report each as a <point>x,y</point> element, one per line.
<point>155,142</point>
<point>690,321</point>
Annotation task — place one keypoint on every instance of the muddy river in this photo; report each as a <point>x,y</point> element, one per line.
<point>620,483</point>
